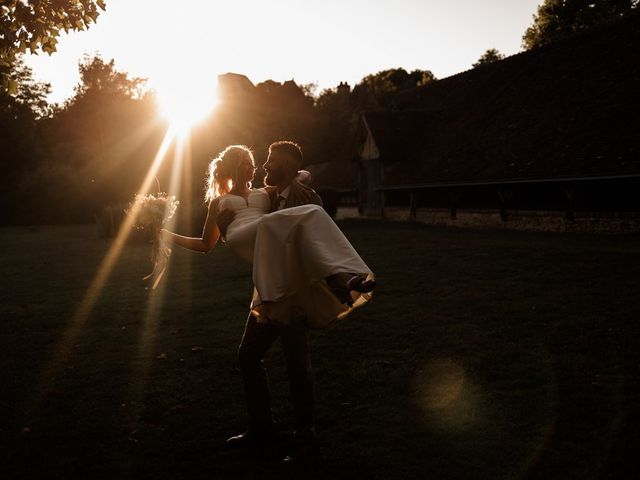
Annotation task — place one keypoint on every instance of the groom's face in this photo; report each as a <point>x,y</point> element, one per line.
<point>278,168</point>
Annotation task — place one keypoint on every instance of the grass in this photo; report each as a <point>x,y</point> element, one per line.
<point>483,355</point>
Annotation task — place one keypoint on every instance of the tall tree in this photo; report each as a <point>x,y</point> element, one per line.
<point>558,19</point>
<point>101,109</point>
<point>489,56</point>
<point>92,138</point>
<point>387,83</point>
<point>21,144</point>
<point>29,99</point>
<point>100,77</point>
<point>35,25</point>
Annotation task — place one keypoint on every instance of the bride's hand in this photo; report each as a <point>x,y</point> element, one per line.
<point>165,236</point>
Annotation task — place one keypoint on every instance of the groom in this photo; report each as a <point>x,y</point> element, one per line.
<point>281,167</point>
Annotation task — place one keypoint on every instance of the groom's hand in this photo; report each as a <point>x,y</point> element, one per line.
<point>225,217</point>
<point>302,195</point>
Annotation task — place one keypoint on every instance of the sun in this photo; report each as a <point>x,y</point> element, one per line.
<point>186,102</point>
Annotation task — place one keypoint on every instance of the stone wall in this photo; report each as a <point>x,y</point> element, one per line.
<point>530,220</point>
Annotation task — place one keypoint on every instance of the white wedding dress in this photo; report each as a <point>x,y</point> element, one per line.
<point>292,251</point>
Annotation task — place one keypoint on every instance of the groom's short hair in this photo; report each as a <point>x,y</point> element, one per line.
<point>289,148</point>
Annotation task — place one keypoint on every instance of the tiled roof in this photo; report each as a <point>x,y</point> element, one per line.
<point>569,109</point>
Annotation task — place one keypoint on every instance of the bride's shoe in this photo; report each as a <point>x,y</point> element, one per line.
<point>360,284</point>
<point>356,283</point>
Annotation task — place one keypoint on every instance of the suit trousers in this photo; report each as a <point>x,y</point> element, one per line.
<point>256,341</point>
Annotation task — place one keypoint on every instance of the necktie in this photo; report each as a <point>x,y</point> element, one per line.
<point>280,202</point>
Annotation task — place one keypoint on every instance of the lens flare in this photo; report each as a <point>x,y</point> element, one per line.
<point>64,346</point>
<point>448,397</point>
<point>185,104</point>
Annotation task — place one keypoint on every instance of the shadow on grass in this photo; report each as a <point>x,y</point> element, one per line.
<point>483,355</point>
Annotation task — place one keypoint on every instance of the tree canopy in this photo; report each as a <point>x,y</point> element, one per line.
<point>96,75</point>
<point>71,162</point>
<point>387,83</point>
<point>29,98</point>
<point>35,25</point>
<point>558,19</point>
<point>489,56</point>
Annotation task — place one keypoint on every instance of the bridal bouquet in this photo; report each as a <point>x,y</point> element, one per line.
<point>150,212</point>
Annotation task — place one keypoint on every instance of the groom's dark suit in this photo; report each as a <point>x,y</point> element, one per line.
<point>258,338</point>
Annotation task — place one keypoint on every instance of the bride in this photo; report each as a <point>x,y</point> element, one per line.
<point>303,265</point>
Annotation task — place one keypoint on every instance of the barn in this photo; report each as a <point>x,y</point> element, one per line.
<point>547,139</point>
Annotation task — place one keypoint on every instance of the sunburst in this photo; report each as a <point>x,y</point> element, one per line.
<point>184,102</point>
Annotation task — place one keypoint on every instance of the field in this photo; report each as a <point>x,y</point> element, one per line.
<point>484,355</point>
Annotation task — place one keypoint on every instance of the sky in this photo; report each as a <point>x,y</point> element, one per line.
<point>181,46</point>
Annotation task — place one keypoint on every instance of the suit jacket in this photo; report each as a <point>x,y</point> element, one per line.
<point>294,189</point>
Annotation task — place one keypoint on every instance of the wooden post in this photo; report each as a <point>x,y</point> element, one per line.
<point>455,201</point>
<point>570,195</point>
<point>413,206</point>
<point>505,197</point>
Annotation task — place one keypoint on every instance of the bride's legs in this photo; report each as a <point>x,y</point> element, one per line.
<point>315,249</point>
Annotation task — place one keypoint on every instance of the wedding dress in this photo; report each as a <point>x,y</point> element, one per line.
<point>292,251</point>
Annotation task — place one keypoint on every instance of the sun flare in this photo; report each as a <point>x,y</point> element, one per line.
<point>185,105</point>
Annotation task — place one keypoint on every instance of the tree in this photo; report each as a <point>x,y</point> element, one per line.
<point>310,89</point>
<point>387,83</point>
<point>35,25</point>
<point>490,56</point>
<point>332,103</point>
<point>100,77</point>
<point>21,143</point>
<point>558,19</point>
<point>102,109</point>
<point>29,99</point>
<point>108,124</point>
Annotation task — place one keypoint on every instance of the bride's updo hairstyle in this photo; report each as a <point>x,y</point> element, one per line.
<point>223,169</point>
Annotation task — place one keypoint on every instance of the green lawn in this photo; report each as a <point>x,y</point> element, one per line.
<point>484,355</point>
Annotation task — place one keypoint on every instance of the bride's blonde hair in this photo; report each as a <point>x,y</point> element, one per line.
<point>222,170</point>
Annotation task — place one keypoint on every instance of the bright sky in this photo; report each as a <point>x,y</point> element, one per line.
<point>184,45</point>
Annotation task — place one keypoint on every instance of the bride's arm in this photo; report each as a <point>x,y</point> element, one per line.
<point>210,233</point>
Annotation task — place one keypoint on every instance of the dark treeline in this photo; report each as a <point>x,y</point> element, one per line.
<point>67,163</point>
<point>64,163</point>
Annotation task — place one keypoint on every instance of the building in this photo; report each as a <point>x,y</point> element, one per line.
<point>545,139</point>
